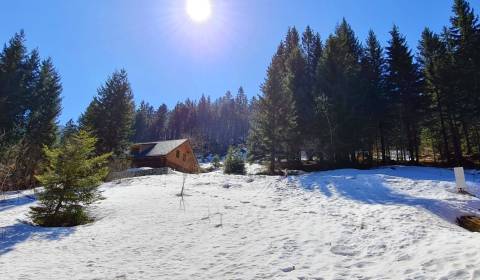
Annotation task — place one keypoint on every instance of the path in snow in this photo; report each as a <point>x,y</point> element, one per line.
<point>343,224</point>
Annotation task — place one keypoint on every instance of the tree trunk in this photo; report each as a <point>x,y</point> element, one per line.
<point>272,158</point>
<point>382,144</point>
<point>456,142</point>
<point>57,208</point>
<point>444,132</point>
<point>467,137</point>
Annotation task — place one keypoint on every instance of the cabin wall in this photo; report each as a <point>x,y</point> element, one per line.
<point>186,161</point>
<point>154,162</point>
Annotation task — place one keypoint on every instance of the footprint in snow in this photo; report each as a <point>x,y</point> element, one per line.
<point>344,251</point>
<point>288,269</point>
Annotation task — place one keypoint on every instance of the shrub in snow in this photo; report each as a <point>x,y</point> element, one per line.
<point>70,182</point>
<point>234,163</point>
<point>216,161</point>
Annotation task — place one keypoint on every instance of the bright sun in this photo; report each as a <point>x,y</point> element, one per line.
<point>199,10</point>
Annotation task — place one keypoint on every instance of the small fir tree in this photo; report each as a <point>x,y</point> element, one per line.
<point>71,181</point>
<point>216,161</point>
<point>234,163</point>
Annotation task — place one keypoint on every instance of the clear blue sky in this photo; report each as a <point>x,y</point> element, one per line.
<point>170,58</point>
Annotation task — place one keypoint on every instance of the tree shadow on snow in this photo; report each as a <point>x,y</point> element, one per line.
<point>9,203</point>
<point>409,172</point>
<point>370,187</point>
<point>17,233</point>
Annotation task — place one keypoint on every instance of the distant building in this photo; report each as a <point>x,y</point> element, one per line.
<point>176,154</point>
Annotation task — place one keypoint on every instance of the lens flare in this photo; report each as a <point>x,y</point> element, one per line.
<point>199,10</point>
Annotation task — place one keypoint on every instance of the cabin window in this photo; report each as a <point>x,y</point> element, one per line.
<point>184,157</point>
<point>178,154</point>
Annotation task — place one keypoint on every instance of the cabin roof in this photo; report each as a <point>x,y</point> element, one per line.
<point>159,148</point>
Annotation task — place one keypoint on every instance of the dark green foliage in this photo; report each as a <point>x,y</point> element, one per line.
<point>312,50</point>
<point>234,163</point>
<point>373,106</point>
<point>216,161</point>
<point>68,130</point>
<point>274,121</point>
<point>375,103</point>
<point>144,123</point>
<point>41,126</point>
<point>29,104</point>
<point>16,78</point>
<point>110,116</point>
<point>294,85</point>
<point>338,95</point>
<point>405,94</point>
<point>73,174</point>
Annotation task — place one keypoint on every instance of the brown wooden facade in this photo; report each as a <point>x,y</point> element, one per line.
<point>181,158</point>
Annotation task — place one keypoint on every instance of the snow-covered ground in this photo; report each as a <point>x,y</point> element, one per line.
<point>344,224</point>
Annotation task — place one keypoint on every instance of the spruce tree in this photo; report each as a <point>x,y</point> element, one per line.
<point>68,130</point>
<point>41,127</point>
<point>110,115</point>
<point>436,64</point>
<point>312,50</point>
<point>16,87</point>
<point>241,122</point>
<point>216,161</point>
<point>158,125</point>
<point>464,37</point>
<point>30,104</point>
<point>338,95</point>
<point>73,174</point>
<point>143,124</point>
<point>234,163</point>
<point>274,119</point>
<point>404,86</point>
<point>294,84</point>
<point>375,105</point>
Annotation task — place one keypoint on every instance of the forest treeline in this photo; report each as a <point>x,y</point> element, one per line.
<point>340,101</point>
<point>345,102</point>
<point>212,126</point>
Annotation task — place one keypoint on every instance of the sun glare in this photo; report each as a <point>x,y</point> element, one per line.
<point>199,10</point>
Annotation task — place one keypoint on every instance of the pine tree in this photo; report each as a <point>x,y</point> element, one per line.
<point>294,84</point>
<point>274,119</point>
<point>68,130</point>
<point>403,81</point>
<point>234,163</point>
<point>16,81</point>
<point>143,124</point>
<point>70,182</point>
<point>436,63</point>
<point>216,161</point>
<point>159,123</point>
<point>110,115</point>
<point>312,50</point>
<point>338,95</point>
<point>464,37</point>
<point>30,104</point>
<point>375,105</point>
<point>41,127</point>
<point>241,124</point>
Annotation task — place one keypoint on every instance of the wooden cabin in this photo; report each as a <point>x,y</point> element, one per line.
<point>176,154</point>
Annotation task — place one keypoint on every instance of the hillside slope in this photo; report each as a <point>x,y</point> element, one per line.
<point>391,223</point>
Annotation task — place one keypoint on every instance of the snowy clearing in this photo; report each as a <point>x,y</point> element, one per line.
<point>389,223</point>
